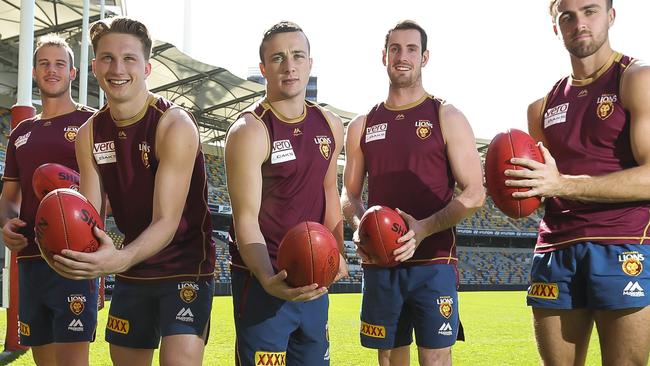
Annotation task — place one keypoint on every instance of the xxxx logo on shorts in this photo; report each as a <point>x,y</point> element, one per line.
<point>70,133</point>
<point>24,329</point>
<point>423,128</point>
<point>270,358</point>
<point>631,263</point>
<point>188,291</point>
<point>543,291</point>
<point>445,306</point>
<point>117,325</point>
<point>375,331</point>
<point>77,303</point>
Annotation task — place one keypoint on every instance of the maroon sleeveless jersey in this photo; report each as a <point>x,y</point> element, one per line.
<point>125,154</point>
<point>588,132</point>
<point>292,175</point>
<point>34,142</point>
<point>406,160</point>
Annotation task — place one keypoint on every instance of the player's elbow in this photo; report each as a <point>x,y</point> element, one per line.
<point>474,197</point>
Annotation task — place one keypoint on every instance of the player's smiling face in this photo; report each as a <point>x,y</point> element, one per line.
<point>403,57</point>
<point>121,67</point>
<point>52,71</point>
<point>286,66</point>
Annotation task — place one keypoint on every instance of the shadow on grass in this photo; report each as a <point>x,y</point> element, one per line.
<point>8,357</point>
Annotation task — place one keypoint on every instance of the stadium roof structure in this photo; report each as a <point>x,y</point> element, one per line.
<point>213,94</point>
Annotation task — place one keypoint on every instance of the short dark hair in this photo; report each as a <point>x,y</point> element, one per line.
<point>123,25</point>
<point>55,40</point>
<point>281,27</point>
<point>409,24</point>
<point>552,7</point>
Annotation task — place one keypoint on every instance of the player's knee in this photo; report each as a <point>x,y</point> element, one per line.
<point>434,357</point>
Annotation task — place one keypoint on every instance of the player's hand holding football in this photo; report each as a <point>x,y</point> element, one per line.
<point>106,260</point>
<point>544,179</point>
<point>364,256</point>
<point>12,238</point>
<point>278,287</point>
<point>412,238</point>
<point>343,268</point>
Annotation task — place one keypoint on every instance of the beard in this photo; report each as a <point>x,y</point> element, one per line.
<point>586,49</point>
<point>53,93</point>
<point>404,81</point>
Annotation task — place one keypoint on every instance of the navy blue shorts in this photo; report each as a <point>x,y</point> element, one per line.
<point>54,309</point>
<point>271,331</point>
<point>589,275</point>
<point>141,313</point>
<point>398,300</point>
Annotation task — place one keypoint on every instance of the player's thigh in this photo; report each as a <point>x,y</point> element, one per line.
<point>562,335</point>
<point>624,335</point>
<point>127,356</point>
<point>434,357</point>
<point>72,354</point>
<point>395,356</point>
<point>182,349</point>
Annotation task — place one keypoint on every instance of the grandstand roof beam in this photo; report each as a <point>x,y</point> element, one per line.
<point>234,101</point>
<point>180,82</point>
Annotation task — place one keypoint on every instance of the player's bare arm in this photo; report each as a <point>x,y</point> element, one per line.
<point>623,186</point>
<point>9,210</point>
<point>247,146</point>
<point>353,178</point>
<point>333,217</point>
<point>466,167</point>
<point>177,143</point>
<point>90,185</point>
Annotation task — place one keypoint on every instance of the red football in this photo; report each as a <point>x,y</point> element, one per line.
<point>51,176</point>
<point>64,220</point>
<point>502,148</point>
<point>310,254</point>
<point>379,229</point>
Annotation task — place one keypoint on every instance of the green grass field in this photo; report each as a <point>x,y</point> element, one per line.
<point>498,329</point>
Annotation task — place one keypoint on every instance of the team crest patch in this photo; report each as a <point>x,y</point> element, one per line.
<point>423,128</point>
<point>70,133</point>
<point>145,150</point>
<point>631,263</point>
<point>324,143</point>
<point>77,303</point>
<point>188,291</point>
<point>543,291</point>
<point>117,325</point>
<point>605,105</point>
<point>270,358</point>
<point>374,331</point>
<point>445,306</point>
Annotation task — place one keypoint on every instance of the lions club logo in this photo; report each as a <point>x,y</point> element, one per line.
<point>445,306</point>
<point>187,291</point>
<point>632,267</point>
<point>77,303</point>
<point>145,150</point>
<point>324,147</point>
<point>631,263</point>
<point>423,128</point>
<point>70,133</point>
<point>605,105</point>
